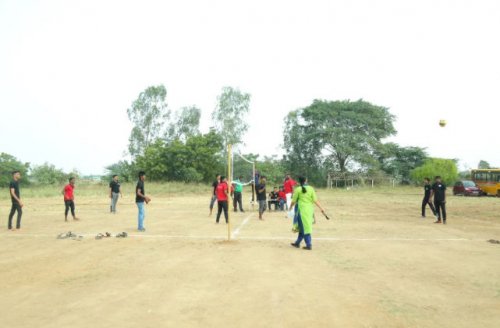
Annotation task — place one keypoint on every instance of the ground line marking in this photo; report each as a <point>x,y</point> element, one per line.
<point>249,237</point>
<point>236,231</point>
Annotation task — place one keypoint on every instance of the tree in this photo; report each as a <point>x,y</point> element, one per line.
<point>341,132</point>
<point>230,114</point>
<point>47,174</point>
<point>149,114</point>
<point>8,164</point>
<point>398,161</point>
<point>197,159</point>
<point>483,165</point>
<point>124,169</point>
<point>185,124</point>
<point>303,155</point>
<point>446,168</point>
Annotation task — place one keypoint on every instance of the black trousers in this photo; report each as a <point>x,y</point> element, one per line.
<point>15,208</point>
<point>425,202</point>
<point>69,204</point>
<point>238,200</point>
<point>440,209</point>
<point>222,205</point>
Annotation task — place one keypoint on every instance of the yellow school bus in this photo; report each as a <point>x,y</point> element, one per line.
<point>488,180</point>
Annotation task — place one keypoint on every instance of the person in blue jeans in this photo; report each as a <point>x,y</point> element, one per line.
<point>141,199</point>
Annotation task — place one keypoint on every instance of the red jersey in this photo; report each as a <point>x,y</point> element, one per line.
<point>282,195</point>
<point>221,191</point>
<point>68,192</point>
<point>288,186</point>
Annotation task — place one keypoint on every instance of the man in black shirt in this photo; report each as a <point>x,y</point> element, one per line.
<point>261,195</point>
<point>427,198</point>
<point>273,199</point>
<point>214,195</point>
<point>17,204</point>
<point>140,200</point>
<point>439,194</point>
<point>114,192</point>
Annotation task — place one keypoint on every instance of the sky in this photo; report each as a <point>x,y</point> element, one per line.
<point>70,69</point>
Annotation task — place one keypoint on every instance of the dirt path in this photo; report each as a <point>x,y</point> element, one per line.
<point>376,264</point>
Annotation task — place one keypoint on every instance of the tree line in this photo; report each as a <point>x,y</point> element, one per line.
<point>342,137</point>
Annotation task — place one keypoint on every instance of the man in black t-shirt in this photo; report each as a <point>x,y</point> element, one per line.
<point>273,199</point>
<point>140,200</point>
<point>261,195</point>
<point>17,204</point>
<point>114,193</point>
<point>439,194</point>
<point>214,194</point>
<point>427,198</point>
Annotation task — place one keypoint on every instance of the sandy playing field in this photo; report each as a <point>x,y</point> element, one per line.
<point>375,264</point>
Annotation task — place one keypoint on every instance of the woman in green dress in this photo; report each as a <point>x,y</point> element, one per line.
<point>305,198</point>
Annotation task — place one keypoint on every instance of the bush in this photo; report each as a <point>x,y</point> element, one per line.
<point>446,168</point>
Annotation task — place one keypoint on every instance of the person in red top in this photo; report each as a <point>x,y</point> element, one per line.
<point>288,188</point>
<point>221,192</point>
<point>69,199</point>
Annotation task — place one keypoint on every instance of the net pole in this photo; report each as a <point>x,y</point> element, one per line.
<point>253,185</point>
<point>229,174</point>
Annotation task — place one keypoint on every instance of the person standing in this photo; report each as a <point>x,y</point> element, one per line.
<point>305,198</point>
<point>273,199</point>
<point>141,199</point>
<point>214,193</point>
<point>69,199</point>
<point>17,204</point>
<point>439,194</point>
<point>114,193</point>
<point>288,186</point>
<point>261,196</point>
<point>222,197</point>
<point>427,198</point>
<point>238,190</point>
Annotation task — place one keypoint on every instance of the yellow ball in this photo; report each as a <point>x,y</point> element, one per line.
<point>442,123</point>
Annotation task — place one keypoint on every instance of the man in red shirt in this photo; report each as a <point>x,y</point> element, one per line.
<point>69,199</point>
<point>288,188</point>
<point>222,195</point>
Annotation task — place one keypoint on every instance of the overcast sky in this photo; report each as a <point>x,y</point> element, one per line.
<point>70,69</point>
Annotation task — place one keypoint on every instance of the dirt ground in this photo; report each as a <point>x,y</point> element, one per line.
<point>375,264</point>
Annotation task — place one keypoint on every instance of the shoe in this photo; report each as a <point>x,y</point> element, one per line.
<point>423,216</point>
<point>309,248</point>
<point>444,221</point>
<point>295,245</point>
<point>141,230</point>
<point>437,221</point>
<point>436,216</point>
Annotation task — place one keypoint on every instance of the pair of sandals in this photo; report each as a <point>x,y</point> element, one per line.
<point>108,235</point>
<point>69,235</point>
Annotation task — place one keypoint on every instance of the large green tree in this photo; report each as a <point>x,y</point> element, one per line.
<point>185,124</point>
<point>9,163</point>
<point>197,159</point>
<point>397,161</point>
<point>229,116</point>
<point>337,132</point>
<point>149,114</point>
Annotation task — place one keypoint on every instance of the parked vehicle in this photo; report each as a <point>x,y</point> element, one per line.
<point>488,180</point>
<point>467,188</point>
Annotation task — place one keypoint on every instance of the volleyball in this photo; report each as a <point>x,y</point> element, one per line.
<point>442,123</point>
